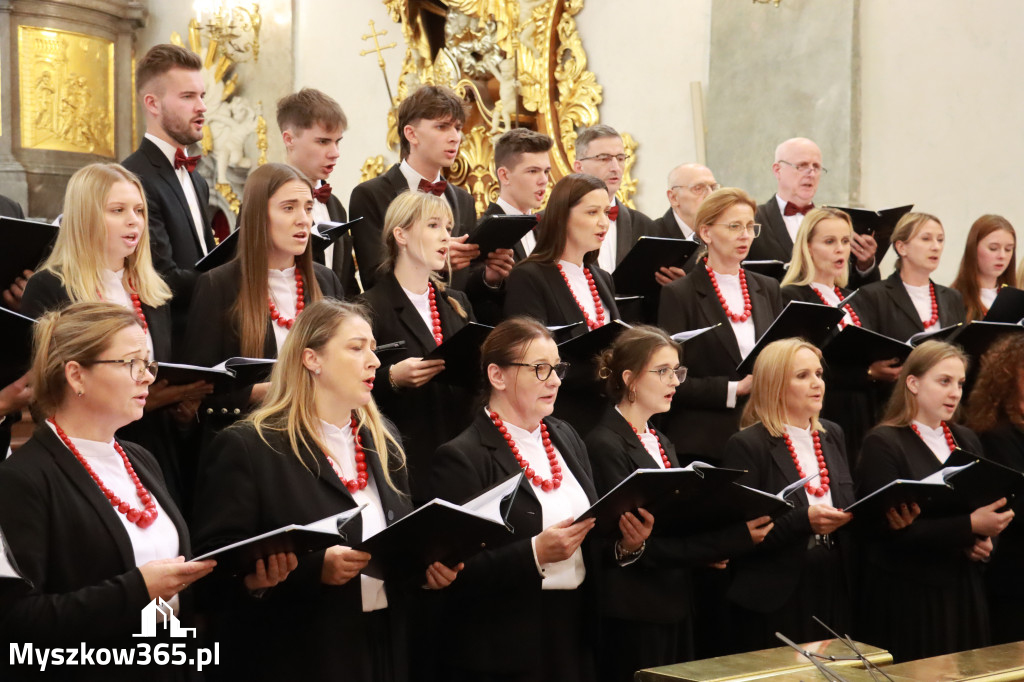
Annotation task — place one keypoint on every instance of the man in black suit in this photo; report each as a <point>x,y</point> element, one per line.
<point>312,125</point>
<point>600,152</point>
<point>430,124</point>
<point>170,86</point>
<point>798,170</point>
<point>688,186</point>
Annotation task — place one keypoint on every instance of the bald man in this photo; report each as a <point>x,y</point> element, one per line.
<point>689,185</point>
<point>797,169</point>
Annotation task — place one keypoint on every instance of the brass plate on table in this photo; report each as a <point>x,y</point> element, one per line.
<point>67,91</point>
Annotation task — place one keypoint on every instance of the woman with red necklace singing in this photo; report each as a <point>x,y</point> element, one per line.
<point>646,609</point>
<point>86,515</point>
<point>523,612</point>
<point>317,446</point>
<point>706,409</point>
<point>804,565</point>
<point>922,591</point>
<point>102,254</point>
<point>413,307</point>
<point>247,306</point>
<point>988,264</point>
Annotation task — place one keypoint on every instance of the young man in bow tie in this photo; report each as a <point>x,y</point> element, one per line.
<point>312,124</point>
<point>798,170</point>
<point>169,84</point>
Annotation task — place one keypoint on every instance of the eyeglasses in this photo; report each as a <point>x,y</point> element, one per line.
<point>136,367</point>
<point>736,228</point>
<point>701,189</point>
<point>543,370</point>
<point>607,158</point>
<point>665,374</point>
<point>806,167</point>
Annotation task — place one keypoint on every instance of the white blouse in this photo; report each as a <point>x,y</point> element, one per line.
<point>988,297</point>
<point>422,304</point>
<point>922,300</point>
<point>935,439</point>
<point>746,335</point>
<point>580,288</point>
<point>282,290</point>
<point>803,446</point>
<point>829,294</point>
<point>113,291</point>
<point>650,443</point>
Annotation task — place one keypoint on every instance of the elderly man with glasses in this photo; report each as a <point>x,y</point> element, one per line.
<point>798,170</point>
<point>688,186</point>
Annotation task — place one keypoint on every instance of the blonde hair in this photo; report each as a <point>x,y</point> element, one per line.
<point>907,228</point>
<point>79,254</point>
<point>80,332</point>
<point>801,270</point>
<point>902,406</point>
<point>289,406</point>
<point>772,371</point>
<point>407,209</point>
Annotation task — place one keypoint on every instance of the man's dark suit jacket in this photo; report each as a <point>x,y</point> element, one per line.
<point>10,208</point>
<point>342,263</point>
<point>666,226</point>
<point>774,243</point>
<point>370,201</point>
<point>630,225</point>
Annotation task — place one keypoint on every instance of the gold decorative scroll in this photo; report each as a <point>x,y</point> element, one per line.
<point>67,91</point>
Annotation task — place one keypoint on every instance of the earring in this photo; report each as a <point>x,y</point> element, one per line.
<point>317,371</point>
<point>81,393</point>
<point>631,396</point>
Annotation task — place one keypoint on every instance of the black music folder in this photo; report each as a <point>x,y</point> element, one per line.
<point>654,490</point>
<point>812,322</point>
<point>975,338</point>
<point>221,253</point>
<point>775,269</point>
<point>1008,306</point>
<point>442,531</point>
<point>461,355</point>
<point>581,353</point>
<point>176,374</point>
<point>248,371</point>
<point>240,558</point>
<point>635,273</point>
<point>860,347</point>
<point>27,243</point>
<point>326,233</point>
<point>878,224</point>
<point>500,232</point>
<point>15,345</point>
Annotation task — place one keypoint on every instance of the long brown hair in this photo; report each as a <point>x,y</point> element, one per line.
<point>553,228</point>
<point>902,407</point>
<point>996,397</point>
<point>250,311</point>
<point>966,281</point>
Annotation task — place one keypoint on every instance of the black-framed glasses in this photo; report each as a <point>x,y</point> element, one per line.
<point>806,167</point>
<point>607,158</point>
<point>136,367</point>
<point>666,373</point>
<point>736,228</point>
<point>543,370</point>
<point>701,189</point>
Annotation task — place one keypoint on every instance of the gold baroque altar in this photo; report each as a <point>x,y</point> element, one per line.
<point>518,63</point>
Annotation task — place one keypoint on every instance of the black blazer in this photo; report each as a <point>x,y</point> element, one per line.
<point>496,600</point>
<point>630,225</point>
<point>173,241</point>
<point>1005,444</point>
<point>342,262</point>
<point>431,414</point>
<point>71,544</point>
<point>885,307</point>
<point>301,628</point>
<point>538,290</point>
<point>699,423</point>
<point>10,208</point>
<point>766,578</point>
<point>370,200</point>
<point>930,549</point>
<point>656,588</point>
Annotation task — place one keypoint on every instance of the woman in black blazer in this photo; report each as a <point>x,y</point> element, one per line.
<point>994,413</point>
<point>412,307</point>
<point>804,566</point>
<point>93,565</point>
<point>989,263</point>
<point>105,205</point>
<point>646,607</point>
<point>317,447</point>
<point>522,611</point>
<point>923,593</point>
<point>706,409</point>
<point>246,307</point>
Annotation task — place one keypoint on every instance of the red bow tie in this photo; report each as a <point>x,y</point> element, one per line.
<point>613,213</point>
<point>793,209</point>
<point>322,193</point>
<point>181,159</point>
<point>435,188</point>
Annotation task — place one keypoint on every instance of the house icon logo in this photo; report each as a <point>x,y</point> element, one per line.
<point>159,610</point>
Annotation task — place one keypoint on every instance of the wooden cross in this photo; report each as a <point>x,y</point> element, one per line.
<point>374,33</point>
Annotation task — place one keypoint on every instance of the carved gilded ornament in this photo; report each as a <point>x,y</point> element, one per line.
<point>532,51</point>
<point>67,91</point>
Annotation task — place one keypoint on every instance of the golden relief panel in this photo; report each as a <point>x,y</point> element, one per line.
<point>67,91</point>
<point>519,63</point>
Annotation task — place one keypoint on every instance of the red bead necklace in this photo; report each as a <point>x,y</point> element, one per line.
<point>817,491</point>
<point>300,303</point>
<point>854,318</point>
<point>598,308</point>
<point>950,441</point>
<point>547,485</point>
<point>435,317</point>
<point>143,518</point>
<point>661,449</point>
<point>935,306</point>
<point>721,299</point>
<point>136,305</point>
<point>361,476</point>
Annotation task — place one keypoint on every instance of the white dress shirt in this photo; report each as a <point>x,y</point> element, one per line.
<point>935,439</point>
<point>186,186</point>
<point>803,446</point>
<point>829,294</point>
<point>988,297</point>
<point>580,288</point>
<point>687,231</point>
<point>607,256</point>
<point>412,177</point>
<point>746,335</point>
<point>650,443</point>
<point>921,297</point>
<point>529,240</point>
<point>792,221</point>
<point>282,290</point>
<point>422,304</point>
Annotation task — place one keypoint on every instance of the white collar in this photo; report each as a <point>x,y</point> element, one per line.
<point>165,147</point>
<point>508,208</point>
<point>413,177</point>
